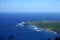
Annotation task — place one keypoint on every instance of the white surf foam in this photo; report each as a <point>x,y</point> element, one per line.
<point>41,30</point>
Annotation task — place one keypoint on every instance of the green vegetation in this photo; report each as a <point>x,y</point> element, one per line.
<point>51,25</point>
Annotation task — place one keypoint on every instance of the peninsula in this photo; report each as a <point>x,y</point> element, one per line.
<point>50,25</point>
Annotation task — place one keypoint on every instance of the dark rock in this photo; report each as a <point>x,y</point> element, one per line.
<point>57,38</point>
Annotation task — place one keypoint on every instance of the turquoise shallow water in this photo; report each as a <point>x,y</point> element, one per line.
<point>8,22</point>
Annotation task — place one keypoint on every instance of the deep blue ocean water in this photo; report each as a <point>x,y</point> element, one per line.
<point>8,22</point>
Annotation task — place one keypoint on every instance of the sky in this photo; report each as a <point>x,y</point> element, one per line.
<point>29,5</point>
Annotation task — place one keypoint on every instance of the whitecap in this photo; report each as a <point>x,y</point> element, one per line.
<point>23,22</point>
<point>55,32</point>
<point>35,28</point>
<point>32,26</point>
<point>16,25</point>
<point>20,24</point>
<point>46,31</point>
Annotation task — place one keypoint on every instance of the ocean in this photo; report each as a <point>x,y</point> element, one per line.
<point>8,28</point>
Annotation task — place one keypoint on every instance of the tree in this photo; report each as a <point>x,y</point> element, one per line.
<point>57,38</point>
<point>49,39</point>
<point>11,37</point>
